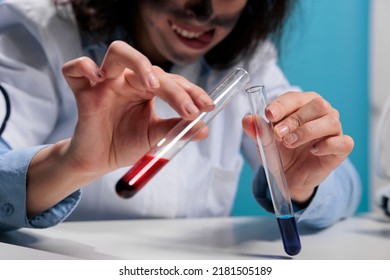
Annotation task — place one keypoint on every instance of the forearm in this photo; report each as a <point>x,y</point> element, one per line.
<point>51,177</point>
<point>14,165</point>
<point>338,197</point>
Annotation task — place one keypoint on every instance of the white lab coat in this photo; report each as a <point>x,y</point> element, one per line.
<point>37,39</point>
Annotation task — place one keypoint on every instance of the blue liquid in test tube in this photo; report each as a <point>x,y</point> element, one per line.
<point>270,158</point>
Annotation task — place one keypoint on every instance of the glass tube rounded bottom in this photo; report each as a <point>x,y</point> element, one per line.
<point>146,168</point>
<point>290,236</point>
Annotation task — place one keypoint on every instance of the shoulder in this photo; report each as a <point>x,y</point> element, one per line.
<point>264,52</point>
<point>41,26</point>
<point>264,55</point>
<point>40,13</point>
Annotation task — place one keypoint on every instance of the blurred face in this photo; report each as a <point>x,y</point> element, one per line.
<point>181,31</point>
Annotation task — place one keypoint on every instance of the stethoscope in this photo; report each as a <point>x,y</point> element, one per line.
<point>380,161</point>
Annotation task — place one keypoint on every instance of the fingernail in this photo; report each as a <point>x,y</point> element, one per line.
<point>290,139</point>
<point>153,81</point>
<point>190,108</point>
<point>282,130</point>
<point>206,101</point>
<point>274,111</point>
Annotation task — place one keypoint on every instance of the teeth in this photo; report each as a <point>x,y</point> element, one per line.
<point>185,33</point>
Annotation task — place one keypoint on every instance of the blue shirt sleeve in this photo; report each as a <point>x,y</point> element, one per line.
<point>13,174</point>
<point>336,198</point>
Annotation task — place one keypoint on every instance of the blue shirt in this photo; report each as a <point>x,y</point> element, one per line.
<point>13,174</point>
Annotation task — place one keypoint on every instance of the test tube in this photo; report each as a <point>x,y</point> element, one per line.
<point>270,158</point>
<point>175,140</point>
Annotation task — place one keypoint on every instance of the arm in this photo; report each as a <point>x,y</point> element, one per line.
<point>13,174</point>
<point>29,108</point>
<point>109,100</point>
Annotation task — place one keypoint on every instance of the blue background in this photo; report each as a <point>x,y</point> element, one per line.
<point>325,49</point>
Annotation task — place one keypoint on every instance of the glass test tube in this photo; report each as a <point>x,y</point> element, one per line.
<point>145,168</point>
<point>270,157</point>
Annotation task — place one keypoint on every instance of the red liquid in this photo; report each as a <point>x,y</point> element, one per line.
<point>123,187</point>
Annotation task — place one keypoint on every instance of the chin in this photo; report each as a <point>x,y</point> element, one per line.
<point>185,62</point>
<point>184,59</point>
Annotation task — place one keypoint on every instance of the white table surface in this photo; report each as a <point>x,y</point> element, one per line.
<point>362,237</point>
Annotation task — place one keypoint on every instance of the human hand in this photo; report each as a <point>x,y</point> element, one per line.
<point>310,139</point>
<point>117,123</point>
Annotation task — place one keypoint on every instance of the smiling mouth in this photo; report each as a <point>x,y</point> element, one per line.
<point>191,38</point>
<point>186,33</point>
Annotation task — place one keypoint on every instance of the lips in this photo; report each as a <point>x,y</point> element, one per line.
<point>194,38</point>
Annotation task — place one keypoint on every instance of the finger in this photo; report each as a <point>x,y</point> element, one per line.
<point>177,97</point>
<point>326,126</point>
<point>257,127</point>
<point>200,98</point>
<point>287,104</point>
<point>161,127</point>
<point>316,108</point>
<point>338,145</point>
<point>81,73</point>
<point>248,126</point>
<point>201,134</point>
<point>120,56</point>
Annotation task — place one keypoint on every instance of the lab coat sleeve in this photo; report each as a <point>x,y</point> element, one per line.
<point>13,174</point>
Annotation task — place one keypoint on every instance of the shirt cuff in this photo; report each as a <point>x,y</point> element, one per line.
<point>263,196</point>
<point>261,191</point>
<point>337,198</point>
<point>13,173</point>
<point>57,213</point>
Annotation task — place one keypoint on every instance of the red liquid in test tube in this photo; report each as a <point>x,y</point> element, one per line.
<point>126,188</point>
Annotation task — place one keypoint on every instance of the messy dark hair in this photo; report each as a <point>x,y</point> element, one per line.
<point>260,20</point>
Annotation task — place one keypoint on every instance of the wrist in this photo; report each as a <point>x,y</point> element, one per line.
<point>51,177</point>
<point>301,204</point>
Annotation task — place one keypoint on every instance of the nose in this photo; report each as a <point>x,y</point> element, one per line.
<point>201,10</point>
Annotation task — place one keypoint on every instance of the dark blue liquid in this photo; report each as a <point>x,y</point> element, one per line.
<point>289,232</point>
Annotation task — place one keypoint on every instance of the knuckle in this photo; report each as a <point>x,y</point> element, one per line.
<point>115,46</point>
<point>314,94</point>
<point>143,63</point>
<point>295,121</point>
<point>336,113</point>
<point>157,69</point>
<point>189,87</point>
<point>320,105</point>
<point>291,93</point>
<point>349,143</point>
<point>335,121</point>
<point>310,129</point>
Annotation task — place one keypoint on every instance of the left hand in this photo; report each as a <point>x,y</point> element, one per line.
<point>117,122</point>
<point>310,139</point>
